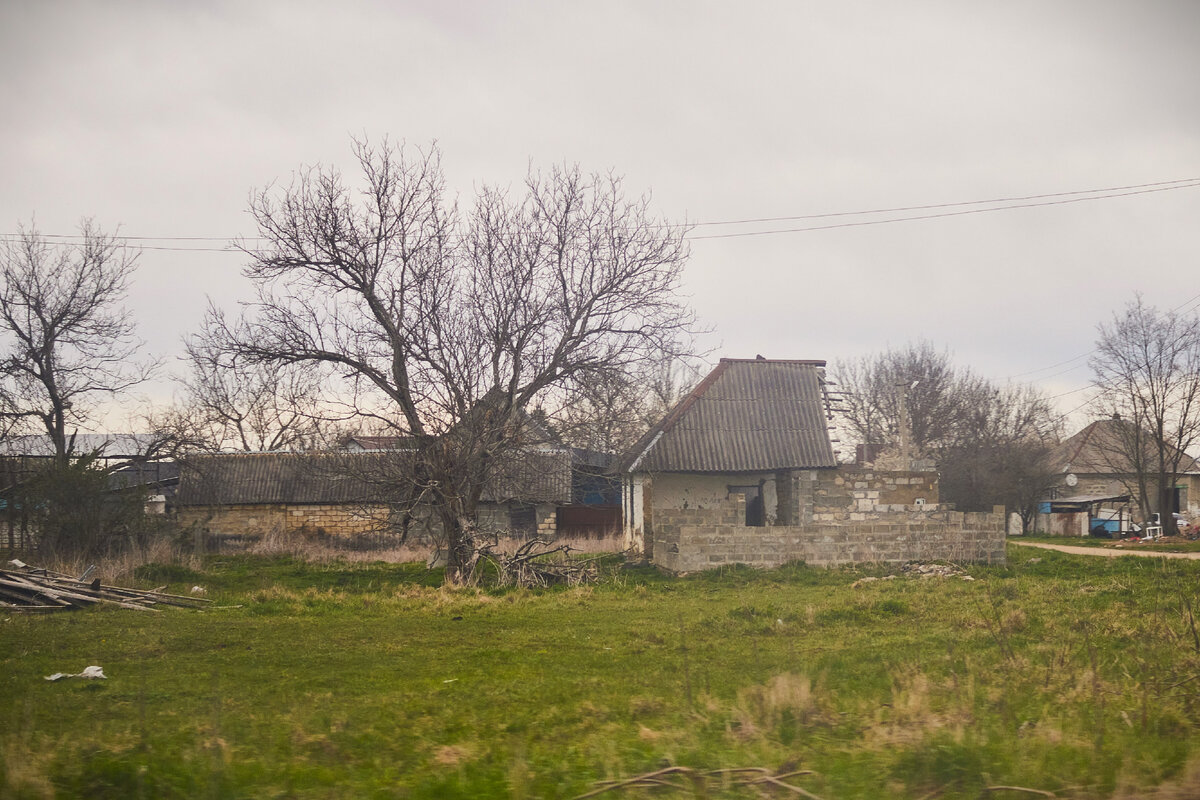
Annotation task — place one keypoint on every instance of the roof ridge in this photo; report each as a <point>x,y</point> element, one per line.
<point>811,362</point>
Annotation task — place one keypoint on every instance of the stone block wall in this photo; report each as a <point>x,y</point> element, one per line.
<point>687,540</point>
<point>498,518</point>
<point>253,521</point>
<point>856,494</point>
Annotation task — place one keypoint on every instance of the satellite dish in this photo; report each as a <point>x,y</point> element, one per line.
<point>1072,480</point>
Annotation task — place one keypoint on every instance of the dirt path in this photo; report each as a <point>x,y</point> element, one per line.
<point>1106,551</point>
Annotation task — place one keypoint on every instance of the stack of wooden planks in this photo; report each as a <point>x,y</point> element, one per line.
<point>25,588</point>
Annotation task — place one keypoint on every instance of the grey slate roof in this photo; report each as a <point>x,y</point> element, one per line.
<point>336,478</point>
<point>1104,446</point>
<point>748,415</point>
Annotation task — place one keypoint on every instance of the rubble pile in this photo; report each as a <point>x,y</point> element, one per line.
<point>915,569</point>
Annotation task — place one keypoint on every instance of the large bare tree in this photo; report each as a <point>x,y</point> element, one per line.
<point>446,325</point>
<point>68,345</point>
<point>1147,370</point>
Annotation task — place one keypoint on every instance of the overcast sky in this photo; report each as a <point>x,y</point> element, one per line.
<point>160,118</point>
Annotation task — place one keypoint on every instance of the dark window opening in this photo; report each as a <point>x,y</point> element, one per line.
<point>755,512</point>
<point>522,520</point>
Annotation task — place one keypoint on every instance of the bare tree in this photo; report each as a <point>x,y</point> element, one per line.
<point>67,343</point>
<point>232,403</point>
<point>919,379</point>
<point>446,325</point>
<point>992,444</point>
<point>1001,451</point>
<point>1147,368</point>
<point>610,410</point>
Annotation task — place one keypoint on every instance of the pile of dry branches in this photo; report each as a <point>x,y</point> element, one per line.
<point>539,563</point>
<point>25,588</point>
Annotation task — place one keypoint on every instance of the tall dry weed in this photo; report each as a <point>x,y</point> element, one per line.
<point>119,566</point>
<point>784,701</point>
<point>919,708</point>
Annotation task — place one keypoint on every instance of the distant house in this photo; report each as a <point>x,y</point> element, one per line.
<point>1098,472</point>
<point>742,471</point>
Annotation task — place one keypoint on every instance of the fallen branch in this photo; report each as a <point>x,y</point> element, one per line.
<point>756,778</point>
<point>533,565</point>
<point>1025,789</point>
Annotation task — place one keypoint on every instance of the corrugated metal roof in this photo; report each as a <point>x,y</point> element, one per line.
<point>748,415</point>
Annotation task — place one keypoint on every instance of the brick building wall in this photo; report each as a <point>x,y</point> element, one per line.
<point>855,494</point>
<point>256,520</point>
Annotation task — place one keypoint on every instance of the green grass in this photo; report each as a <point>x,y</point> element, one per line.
<point>1066,674</point>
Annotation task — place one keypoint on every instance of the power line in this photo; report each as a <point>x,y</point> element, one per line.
<point>961,203</point>
<point>1016,202</point>
<point>863,223</point>
<point>1088,354</point>
<point>1052,366</point>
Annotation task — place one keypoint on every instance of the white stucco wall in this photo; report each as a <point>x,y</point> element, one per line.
<point>690,490</point>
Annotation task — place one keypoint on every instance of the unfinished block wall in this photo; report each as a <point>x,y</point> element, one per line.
<point>685,543</point>
<point>827,517</point>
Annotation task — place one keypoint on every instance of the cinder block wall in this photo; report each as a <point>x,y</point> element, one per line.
<point>855,494</point>
<point>687,540</point>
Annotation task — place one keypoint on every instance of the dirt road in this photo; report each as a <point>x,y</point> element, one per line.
<point>1106,551</point>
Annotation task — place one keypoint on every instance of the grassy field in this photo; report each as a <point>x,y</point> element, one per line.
<point>1058,673</point>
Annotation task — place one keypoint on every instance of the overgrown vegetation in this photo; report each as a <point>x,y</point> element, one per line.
<point>1059,673</point>
<point>70,510</point>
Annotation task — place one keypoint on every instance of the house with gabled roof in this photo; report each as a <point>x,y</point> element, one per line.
<point>1099,466</point>
<point>742,470</point>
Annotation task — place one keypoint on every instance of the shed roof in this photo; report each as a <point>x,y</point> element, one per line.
<point>747,415</point>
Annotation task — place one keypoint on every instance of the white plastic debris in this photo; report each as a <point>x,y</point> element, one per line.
<point>88,672</point>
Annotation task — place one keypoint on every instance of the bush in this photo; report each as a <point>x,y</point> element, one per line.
<point>70,510</point>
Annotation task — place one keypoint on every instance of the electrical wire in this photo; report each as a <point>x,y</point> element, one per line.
<point>961,203</point>
<point>918,217</point>
<point>1016,202</point>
